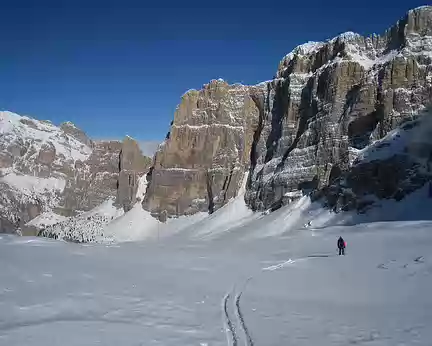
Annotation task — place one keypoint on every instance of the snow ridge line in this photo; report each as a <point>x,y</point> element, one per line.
<point>229,327</point>
<point>240,318</point>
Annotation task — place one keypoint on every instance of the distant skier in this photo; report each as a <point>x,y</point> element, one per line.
<point>341,246</point>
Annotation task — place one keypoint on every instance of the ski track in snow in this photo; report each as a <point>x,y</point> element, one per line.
<point>233,338</point>
<point>228,325</point>
<point>240,318</point>
<point>278,266</point>
<point>291,261</point>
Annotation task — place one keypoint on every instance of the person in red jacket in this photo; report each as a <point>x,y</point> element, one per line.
<point>341,246</point>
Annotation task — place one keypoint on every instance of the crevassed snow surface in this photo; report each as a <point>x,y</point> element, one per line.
<point>269,280</point>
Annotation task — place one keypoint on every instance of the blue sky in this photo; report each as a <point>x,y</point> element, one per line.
<point>120,67</point>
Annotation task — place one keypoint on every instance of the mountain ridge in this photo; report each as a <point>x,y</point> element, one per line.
<point>327,97</point>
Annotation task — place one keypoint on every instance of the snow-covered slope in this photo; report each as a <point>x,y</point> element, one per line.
<point>230,278</point>
<point>287,289</point>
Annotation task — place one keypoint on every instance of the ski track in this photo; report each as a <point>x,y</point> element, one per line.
<point>228,325</point>
<point>230,330</point>
<point>278,266</point>
<point>232,337</point>
<point>291,261</point>
<point>240,318</point>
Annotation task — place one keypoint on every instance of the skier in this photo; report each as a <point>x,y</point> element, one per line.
<point>341,246</point>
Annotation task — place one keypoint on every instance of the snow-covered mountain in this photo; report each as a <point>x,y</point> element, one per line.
<point>49,172</point>
<point>320,127</point>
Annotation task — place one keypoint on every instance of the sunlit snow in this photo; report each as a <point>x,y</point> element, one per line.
<point>231,278</point>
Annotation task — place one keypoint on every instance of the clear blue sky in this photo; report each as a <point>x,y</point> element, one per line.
<point>120,67</point>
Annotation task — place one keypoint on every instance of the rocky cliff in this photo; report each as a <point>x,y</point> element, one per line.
<point>390,168</point>
<point>45,168</point>
<point>333,98</point>
<point>300,131</point>
<point>203,159</point>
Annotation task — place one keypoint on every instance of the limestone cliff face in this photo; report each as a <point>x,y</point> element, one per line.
<point>202,162</point>
<point>390,168</point>
<point>300,131</point>
<point>333,98</point>
<point>59,169</point>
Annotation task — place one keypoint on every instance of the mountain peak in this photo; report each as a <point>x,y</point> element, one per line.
<point>346,36</point>
<point>68,124</point>
<point>421,8</point>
